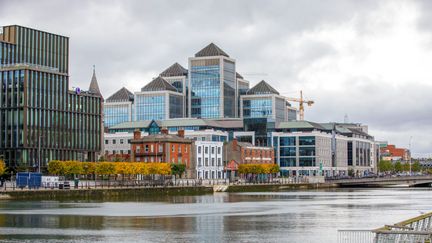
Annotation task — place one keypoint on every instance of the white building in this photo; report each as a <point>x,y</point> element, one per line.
<point>117,143</point>
<point>208,160</point>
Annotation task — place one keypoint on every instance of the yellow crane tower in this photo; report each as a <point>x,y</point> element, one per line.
<point>301,102</point>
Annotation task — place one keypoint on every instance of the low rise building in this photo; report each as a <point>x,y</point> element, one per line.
<point>162,147</point>
<point>117,146</point>
<point>208,160</point>
<point>247,153</point>
<point>392,153</point>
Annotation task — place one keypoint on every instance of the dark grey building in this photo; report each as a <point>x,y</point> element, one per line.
<point>39,116</point>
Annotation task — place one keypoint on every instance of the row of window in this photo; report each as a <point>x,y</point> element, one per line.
<point>207,149</point>
<point>208,162</point>
<point>121,141</point>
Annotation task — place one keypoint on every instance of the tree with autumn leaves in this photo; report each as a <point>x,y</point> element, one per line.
<point>258,172</point>
<point>65,168</point>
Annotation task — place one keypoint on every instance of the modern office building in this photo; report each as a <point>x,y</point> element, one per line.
<point>40,118</point>
<point>177,76</point>
<point>158,100</point>
<point>263,101</point>
<point>207,157</point>
<point>242,88</point>
<point>212,84</point>
<point>118,108</point>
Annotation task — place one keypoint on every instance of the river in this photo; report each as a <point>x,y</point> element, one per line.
<point>295,216</point>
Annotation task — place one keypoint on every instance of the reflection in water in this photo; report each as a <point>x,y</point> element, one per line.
<point>309,216</point>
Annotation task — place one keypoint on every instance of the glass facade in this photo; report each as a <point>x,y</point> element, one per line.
<point>257,108</point>
<point>287,151</point>
<point>175,106</point>
<point>150,107</point>
<point>36,107</point>
<point>292,148</point>
<point>116,113</point>
<point>205,88</point>
<point>229,87</point>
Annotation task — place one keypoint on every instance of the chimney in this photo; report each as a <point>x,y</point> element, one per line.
<point>164,131</point>
<point>234,144</point>
<point>137,134</point>
<point>181,133</point>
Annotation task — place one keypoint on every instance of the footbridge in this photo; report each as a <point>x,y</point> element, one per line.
<point>411,181</point>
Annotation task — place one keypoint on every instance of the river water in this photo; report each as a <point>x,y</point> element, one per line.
<point>296,216</point>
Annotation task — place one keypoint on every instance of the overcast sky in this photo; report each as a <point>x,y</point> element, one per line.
<point>370,60</point>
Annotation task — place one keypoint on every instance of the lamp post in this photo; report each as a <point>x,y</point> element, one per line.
<point>410,167</point>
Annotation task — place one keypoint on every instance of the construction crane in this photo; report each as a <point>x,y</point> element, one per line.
<point>301,102</point>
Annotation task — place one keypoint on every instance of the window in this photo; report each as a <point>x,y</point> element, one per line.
<point>114,151</point>
<point>213,161</point>
<point>199,149</point>
<point>146,148</point>
<point>199,162</point>
<point>129,141</point>
<point>114,141</point>
<point>138,149</point>
<point>151,148</point>
<point>160,148</point>
<point>206,150</point>
<point>106,141</point>
<point>206,162</point>
<point>121,141</point>
<point>213,150</point>
<point>219,162</point>
<point>121,152</point>
<point>219,150</point>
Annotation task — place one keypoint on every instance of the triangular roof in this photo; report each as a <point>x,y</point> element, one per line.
<point>94,87</point>
<point>174,70</point>
<point>121,95</point>
<point>158,84</point>
<point>239,76</point>
<point>211,50</point>
<point>262,88</point>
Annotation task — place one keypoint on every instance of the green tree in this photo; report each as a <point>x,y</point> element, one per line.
<point>384,166</point>
<point>416,166</point>
<point>398,167</point>
<point>105,168</point>
<point>178,169</point>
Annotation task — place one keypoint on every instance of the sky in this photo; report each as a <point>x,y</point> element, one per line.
<point>369,61</point>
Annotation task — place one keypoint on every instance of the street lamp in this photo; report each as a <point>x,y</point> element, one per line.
<point>410,169</point>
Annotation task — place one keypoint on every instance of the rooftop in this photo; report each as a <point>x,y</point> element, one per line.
<point>262,88</point>
<point>211,50</point>
<point>159,84</point>
<point>174,70</point>
<point>122,95</point>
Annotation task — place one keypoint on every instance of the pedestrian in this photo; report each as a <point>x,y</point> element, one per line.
<point>2,181</point>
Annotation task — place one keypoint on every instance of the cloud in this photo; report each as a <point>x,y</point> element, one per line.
<point>367,59</point>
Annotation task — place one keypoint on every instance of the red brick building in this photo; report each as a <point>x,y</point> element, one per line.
<point>390,152</point>
<point>247,153</point>
<point>162,147</point>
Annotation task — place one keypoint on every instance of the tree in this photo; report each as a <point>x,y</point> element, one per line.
<point>416,167</point>
<point>383,166</point>
<point>56,167</point>
<point>2,167</point>
<point>105,168</point>
<point>398,167</point>
<point>178,169</point>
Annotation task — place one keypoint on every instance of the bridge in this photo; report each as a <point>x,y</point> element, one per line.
<point>411,181</point>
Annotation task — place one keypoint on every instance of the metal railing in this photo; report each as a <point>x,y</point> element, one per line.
<point>414,230</point>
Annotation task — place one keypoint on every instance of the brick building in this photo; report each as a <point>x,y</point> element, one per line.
<point>247,153</point>
<point>390,152</point>
<point>162,147</point>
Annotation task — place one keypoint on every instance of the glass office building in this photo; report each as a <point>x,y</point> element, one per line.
<point>177,76</point>
<point>40,118</point>
<point>263,101</point>
<point>212,84</point>
<point>158,100</point>
<point>118,108</point>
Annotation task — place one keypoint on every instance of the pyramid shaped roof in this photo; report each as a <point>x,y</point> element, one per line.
<point>211,50</point>
<point>262,88</point>
<point>174,70</point>
<point>158,84</point>
<point>121,95</point>
<point>94,87</point>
